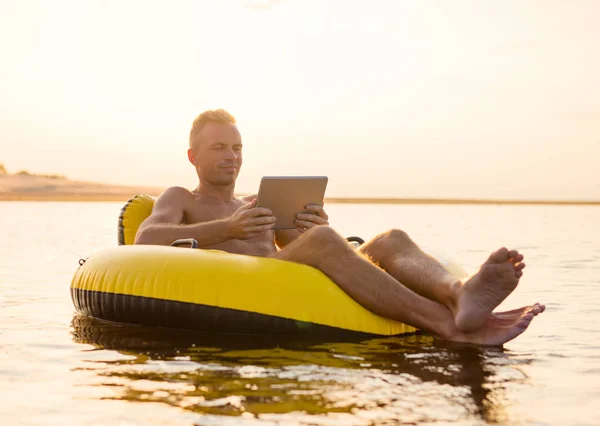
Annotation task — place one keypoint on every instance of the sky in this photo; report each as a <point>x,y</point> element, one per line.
<point>434,99</point>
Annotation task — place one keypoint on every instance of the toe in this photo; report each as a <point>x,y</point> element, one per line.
<point>514,260</point>
<point>526,320</point>
<point>500,255</point>
<point>512,254</point>
<point>512,312</point>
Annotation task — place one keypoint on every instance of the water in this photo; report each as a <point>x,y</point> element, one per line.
<point>60,368</point>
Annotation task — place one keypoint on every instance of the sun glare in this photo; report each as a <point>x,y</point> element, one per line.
<point>389,99</point>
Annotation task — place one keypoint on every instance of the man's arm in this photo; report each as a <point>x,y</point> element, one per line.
<point>164,225</point>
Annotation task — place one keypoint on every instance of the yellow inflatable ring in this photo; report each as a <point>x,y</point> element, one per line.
<point>215,291</point>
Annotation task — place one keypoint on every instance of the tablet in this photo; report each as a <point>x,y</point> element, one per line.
<point>286,196</point>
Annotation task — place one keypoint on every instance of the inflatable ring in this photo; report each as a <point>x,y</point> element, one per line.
<point>215,291</point>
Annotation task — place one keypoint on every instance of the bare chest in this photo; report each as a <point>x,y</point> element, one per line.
<point>199,213</point>
<point>207,212</point>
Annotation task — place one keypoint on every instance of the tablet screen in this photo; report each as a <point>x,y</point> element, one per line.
<point>287,196</point>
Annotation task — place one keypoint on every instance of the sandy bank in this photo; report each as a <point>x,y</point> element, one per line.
<point>41,188</point>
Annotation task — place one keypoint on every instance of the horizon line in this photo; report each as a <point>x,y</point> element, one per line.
<point>124,196</point>
<point>418,200</point>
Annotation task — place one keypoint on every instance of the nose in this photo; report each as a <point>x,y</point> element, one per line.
<point>231,154</point>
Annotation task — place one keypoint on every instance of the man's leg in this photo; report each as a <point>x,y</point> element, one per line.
<point>378,291</point>
<point>471,300</point>
<point>396,252</point>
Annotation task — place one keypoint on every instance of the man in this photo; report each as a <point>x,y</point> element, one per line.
<point>389,275</point>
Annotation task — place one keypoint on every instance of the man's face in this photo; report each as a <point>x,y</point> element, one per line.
<point>218,154</point>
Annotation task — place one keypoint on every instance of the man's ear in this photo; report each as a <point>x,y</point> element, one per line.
<point>191,156</point>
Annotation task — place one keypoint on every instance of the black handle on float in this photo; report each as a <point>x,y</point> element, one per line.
<point>358,240</point>
<point>183,241</point>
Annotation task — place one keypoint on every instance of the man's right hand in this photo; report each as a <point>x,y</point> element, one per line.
<point>250,221</point>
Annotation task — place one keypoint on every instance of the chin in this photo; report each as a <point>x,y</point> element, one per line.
<point>223,181</point>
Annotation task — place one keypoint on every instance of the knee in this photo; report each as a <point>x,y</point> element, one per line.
<point>397,236</point>
<point>324,236</point>
<point>391,241</point>
<point>393,237</point>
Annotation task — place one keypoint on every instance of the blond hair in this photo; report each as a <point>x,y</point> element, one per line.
<point>211,116</point>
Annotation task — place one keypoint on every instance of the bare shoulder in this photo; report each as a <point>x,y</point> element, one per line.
<point>178,190</point>
<point>175,194</point>
<point>172,202</point>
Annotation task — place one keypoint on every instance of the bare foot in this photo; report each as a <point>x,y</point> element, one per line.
<point>535,309</point>
<point>481,293</point>
<point>501,327</point>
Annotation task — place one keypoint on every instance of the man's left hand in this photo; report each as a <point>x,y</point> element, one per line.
<point>316,217</point>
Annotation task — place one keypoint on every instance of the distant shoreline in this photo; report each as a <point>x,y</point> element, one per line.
<point>30,187</point>
<point>48,197</point>
<point>99,197</point>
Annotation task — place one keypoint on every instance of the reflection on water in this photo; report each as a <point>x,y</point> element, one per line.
<point>56,369</point>
<point>406,379</point>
